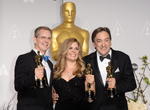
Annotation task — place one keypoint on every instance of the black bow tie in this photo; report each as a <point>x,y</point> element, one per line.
<point>102,58</point>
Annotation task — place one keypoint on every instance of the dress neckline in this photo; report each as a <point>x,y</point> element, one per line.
<point>69,79</point>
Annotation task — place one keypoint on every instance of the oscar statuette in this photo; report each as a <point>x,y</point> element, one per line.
<point>110,92</point>
<point>40,82</point>
<point>89,94</point>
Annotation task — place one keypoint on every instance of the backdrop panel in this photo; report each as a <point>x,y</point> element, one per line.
<point>129,22</point>
<point>18,19</point>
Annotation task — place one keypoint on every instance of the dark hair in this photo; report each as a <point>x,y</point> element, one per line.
<point>100,29</point>
<point>37,30</point>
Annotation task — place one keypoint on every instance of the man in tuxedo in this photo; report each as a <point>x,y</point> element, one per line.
<point>123,78</point>
<point>30,97</point>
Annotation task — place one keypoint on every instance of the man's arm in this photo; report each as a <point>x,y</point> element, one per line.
<point>127,83</point>
<point>24,77</point>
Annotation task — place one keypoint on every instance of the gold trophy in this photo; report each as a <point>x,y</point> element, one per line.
<point>40,82</point>
<point>89,94</point>
<point>110,93</point>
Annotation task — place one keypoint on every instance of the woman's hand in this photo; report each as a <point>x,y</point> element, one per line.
<point>90,79</point>
<point>55,96</point>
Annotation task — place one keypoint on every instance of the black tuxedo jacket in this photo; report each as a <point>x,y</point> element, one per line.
<point>125,81</point>
<point>28,97</point>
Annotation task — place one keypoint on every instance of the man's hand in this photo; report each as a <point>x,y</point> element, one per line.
<point>111,82</point>
<point>39,72</point>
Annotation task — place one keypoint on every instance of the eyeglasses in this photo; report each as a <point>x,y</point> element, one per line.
<point>44,38</point>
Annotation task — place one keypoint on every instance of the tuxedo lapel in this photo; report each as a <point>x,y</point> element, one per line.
<point>33,54</point>
<point>51,68</point>
<point>114,60</point>
<point>96,68</point>
<point>50,64</point>
<point>45,76</point>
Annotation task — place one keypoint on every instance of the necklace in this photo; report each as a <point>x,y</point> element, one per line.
<point>68,73</point>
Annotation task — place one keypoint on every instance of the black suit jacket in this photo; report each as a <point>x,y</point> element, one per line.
<point>28,97</point>
<point>125,81</point>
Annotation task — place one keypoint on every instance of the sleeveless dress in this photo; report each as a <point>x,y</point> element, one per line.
<point>71,94</point>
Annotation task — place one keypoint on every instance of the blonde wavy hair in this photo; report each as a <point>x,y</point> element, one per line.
<point>61,63</point>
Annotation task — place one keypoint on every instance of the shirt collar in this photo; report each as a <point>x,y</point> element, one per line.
<point>110,52</point>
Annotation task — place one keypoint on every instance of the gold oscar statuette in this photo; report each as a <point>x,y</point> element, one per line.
<point>89,94</point>
<point>40,82</point>
<point>110,92</point>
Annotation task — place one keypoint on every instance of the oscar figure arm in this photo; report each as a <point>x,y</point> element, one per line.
<point>85,47</point>
<point>54,48</point>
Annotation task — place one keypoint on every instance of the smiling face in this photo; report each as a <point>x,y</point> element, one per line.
<point>42,41</point>
<point>102,43</point>
<point>73,52</point>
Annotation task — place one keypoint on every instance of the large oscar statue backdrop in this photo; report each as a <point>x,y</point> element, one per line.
<point>68,29</point>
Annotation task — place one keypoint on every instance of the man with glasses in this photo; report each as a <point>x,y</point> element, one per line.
<point>31,97</point>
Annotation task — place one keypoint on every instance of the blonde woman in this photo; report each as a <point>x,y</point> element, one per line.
<point>69,81</point>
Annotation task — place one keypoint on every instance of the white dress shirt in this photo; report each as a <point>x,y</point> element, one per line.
<point>102,66</point>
